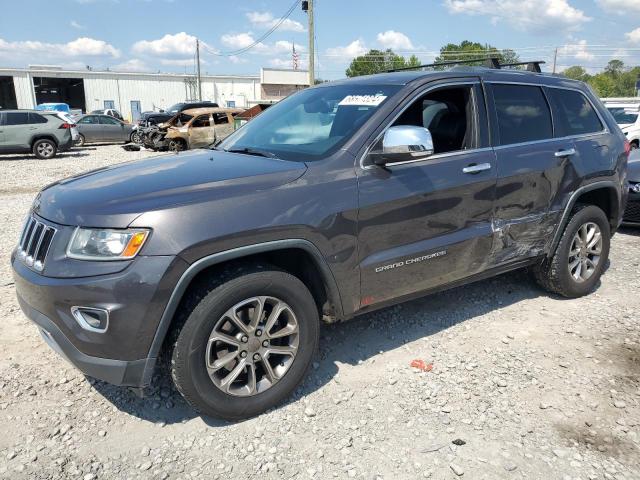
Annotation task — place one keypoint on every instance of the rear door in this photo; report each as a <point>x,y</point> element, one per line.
<point>89,127</point>
<point>425,223</point>
<point>533,170</point>
<point>224,125</point>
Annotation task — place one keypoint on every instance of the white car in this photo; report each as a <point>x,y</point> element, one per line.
<point>626,113</point>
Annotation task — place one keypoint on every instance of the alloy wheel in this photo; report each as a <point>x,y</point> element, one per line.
<point>585,252</point>
<point>45,149</point>
<point>252,346</point>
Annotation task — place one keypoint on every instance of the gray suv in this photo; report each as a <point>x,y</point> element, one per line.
<point>341,199</point>
<point>41,133</point>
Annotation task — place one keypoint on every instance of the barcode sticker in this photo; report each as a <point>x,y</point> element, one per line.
<point>363,100</point>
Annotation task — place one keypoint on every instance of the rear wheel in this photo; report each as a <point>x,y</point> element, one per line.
<point>581,255</point>
<point>45,148</point>
<point>245,344</point>
<point>80,141</point>
<point>135,137</point>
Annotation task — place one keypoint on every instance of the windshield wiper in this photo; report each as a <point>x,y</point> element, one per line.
<point>252,151</point>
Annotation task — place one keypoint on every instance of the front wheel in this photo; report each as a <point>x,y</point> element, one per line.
<point>581,255</point>
<point>135,137</point>
<point>80,141</point>
<point>246,344</point>
<point>177,145</point>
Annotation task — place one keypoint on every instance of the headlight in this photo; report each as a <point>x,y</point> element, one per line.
<point>634,187</point>
<point>102,244</point>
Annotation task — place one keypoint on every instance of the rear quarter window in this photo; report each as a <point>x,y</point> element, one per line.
<point>522,112</point>
<point>36,118</point>
<point>573,113</point>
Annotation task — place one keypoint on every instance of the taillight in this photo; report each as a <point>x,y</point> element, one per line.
<point>627,147</point>
<point>67,125</point>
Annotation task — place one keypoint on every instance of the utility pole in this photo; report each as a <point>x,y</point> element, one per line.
<point>198,81</point>
<point>555,59</point>
<point>312,73</point>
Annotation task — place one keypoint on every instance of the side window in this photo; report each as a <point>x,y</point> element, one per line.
<point>16,118</point>
<point>523,114</point>
<point>109,121</point>
<point>573,113</point>
<point>36,118</point>
<point>449,114</point>
<point>201,121</point>
<point>220,118</point>
<point>90,119</point>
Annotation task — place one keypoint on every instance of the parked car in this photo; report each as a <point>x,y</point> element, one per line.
<point>625,112</point>
<point>147,119</point>
<point>632,211</point>
<point>102,128</point>
<point>339,200</point>
<point>42,133</point>
<point>206,126</point>
<point>112,112</point>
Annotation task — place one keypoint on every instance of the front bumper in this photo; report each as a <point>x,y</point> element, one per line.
<point>135,298</point>
<point>632,211</point>
<point>132,373</point>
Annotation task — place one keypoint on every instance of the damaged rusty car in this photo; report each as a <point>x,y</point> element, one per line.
<point>193,128</point>
<point>341,199</point>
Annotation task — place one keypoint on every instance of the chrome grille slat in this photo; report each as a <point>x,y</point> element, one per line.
<point>35,242</point>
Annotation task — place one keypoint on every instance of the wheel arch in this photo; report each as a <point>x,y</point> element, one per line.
<point>266,252</point>
<point>603,194</point>
<point>42,136</point>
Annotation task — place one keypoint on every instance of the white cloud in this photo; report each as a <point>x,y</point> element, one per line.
<point>621,7</point>
<point>237,41</point>
<point>578,50</point>
<point>76,25</point>
<point>35,51</point>
<point>267,20</point>
<point>179,44</point>
<point>132,65</point>
<point>394,40</point>
<point>284,46</point>
<point>534,15</point>
<point>354,49</point>
<point>633,36</point>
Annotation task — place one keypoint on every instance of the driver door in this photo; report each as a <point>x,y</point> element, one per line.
<point>201,131</point>
<point>427,222</point>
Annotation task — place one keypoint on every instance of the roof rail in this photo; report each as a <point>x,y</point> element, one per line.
<point>489,62</point>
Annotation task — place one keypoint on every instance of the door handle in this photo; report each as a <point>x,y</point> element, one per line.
<point>565,153</point>
<point>476,168</point>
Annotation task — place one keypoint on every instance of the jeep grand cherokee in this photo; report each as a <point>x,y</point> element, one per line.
<point>339,200</point>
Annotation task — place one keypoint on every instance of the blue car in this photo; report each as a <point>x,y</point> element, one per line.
<point>55,107</point>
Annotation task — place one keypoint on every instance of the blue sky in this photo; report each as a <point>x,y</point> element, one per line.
<point>159,35</point>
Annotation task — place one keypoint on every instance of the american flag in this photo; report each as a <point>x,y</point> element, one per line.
<point>295,58</point>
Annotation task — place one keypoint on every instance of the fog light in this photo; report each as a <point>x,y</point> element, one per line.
<point>92,319</point>
<point>635,187</point>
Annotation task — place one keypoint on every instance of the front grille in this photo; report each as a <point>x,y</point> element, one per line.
<point>632,212</point>
<point>34,243</point>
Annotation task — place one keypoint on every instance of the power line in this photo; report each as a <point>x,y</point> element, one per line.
<point>259,40</point>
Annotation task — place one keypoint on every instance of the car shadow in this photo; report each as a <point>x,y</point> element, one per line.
<point>28,156</point>
<point>627,230</point>
<point>351,343</point>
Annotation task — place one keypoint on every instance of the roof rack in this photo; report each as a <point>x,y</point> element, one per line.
<point>490,62</point>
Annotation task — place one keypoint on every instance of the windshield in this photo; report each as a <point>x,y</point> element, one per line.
<point>312,123</point>
<point>623,116</point>
<point>175,108</point>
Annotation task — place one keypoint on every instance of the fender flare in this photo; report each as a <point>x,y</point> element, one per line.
<point>608,184</point>
<point>198,266</point>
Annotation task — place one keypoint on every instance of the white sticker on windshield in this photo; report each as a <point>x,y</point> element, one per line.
<point>363,100</point>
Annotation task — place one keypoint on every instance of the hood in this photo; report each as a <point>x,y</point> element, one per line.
<point>633,167</point>
<point>114,196</point>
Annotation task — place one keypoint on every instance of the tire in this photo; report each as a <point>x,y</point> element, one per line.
<point>557,274</point>
<point>45,149</point>
<point>177,145</point>
<point>80,141</point>
<point>135,137</point>
<point>207,310</point>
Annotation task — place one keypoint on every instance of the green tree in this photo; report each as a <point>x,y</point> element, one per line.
<point>378,61</point>
<point>615,81</point>
<point>467,50</point>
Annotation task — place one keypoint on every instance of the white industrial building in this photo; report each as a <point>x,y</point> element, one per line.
<point>132,93</point>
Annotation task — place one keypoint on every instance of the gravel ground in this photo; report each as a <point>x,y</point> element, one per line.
<point>522,385</point>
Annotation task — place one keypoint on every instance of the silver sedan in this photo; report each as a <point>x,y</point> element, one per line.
<point>94,128</point>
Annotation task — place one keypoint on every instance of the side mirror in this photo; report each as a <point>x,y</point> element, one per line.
<point>403,143</point>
